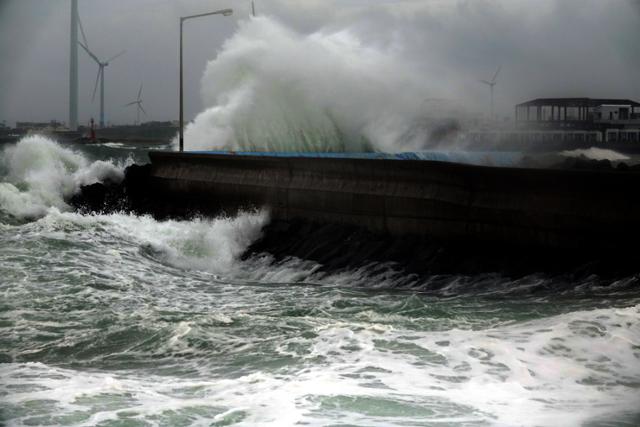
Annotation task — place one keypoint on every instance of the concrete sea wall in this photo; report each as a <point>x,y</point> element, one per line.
<point>585,210</point>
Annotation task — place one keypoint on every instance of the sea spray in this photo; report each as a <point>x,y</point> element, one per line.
<point>271,88</point>
<point>40,174</point>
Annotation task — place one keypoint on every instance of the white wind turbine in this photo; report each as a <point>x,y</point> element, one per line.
<point>138,103</point>
<point>491,85</point>
<point>100,76</point>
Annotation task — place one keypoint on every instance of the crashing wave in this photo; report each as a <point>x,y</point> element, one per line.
<point>40,174</point>
<point>335,95</point>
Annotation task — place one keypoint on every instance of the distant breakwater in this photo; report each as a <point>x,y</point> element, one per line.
<point>425,217</point>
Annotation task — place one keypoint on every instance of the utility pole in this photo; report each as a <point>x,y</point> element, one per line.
<point>224,12</point>
<point>73,68</point>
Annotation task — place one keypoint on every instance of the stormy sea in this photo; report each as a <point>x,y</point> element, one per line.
<point>124,320</point>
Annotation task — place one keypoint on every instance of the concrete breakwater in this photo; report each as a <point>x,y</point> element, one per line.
<point>573,209</point>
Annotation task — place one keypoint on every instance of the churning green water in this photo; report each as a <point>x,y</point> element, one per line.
<point>117,320</point>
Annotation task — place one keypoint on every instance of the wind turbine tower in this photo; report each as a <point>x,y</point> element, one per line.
<point>100,77</point>
<point>491,85</point>
<point>138,104</point>
<point>73,68</point>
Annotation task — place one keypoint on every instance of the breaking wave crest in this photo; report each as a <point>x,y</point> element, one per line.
<point>337,94</point>
<point>39,175</point>
<point>212,245</point>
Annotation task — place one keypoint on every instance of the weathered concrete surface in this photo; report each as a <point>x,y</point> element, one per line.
<point>452,202</point>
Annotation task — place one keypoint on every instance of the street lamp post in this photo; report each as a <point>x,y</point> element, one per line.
<point>225,12</point>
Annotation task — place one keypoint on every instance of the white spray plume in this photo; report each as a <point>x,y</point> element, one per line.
<point>42,175</point>
<point>271,88</point>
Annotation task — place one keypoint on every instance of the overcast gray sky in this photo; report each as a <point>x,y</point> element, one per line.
<point>546,48</point>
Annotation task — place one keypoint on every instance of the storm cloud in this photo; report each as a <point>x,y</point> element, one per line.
<point>546,48</point>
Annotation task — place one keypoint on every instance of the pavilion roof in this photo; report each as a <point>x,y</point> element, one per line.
<point>577,102</point>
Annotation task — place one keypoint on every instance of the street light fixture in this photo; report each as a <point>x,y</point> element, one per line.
<point>224,12</point>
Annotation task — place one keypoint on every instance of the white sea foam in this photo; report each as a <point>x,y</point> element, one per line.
<point>42,175</point>
<point>271,88</point>
<point>563,370</point>
<point>596,153</point>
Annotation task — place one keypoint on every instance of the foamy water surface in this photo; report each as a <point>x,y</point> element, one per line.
<point>114,320</point>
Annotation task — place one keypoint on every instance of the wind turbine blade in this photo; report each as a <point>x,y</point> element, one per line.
<point>84,37</point>
<point>95,88</point>
<point>496,74</point>
<point>114,57</point>
<point>131,103</point>
<point>140,105</point>
<point>486,82</point>
<point>139,92</point>
<point>86,49</point>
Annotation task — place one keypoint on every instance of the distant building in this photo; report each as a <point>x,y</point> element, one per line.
<point>51,125</point>
<point>579,119</point>
<point>157,124</point>
<point>153,131</point>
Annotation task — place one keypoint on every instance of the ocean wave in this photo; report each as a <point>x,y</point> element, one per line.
<point>568,369</point>
<point>40,175</point>
<point>212,245</point>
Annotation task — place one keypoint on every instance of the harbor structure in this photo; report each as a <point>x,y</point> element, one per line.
<point>580,119</point>
<point>551,124</point>
<point>548,208</point>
